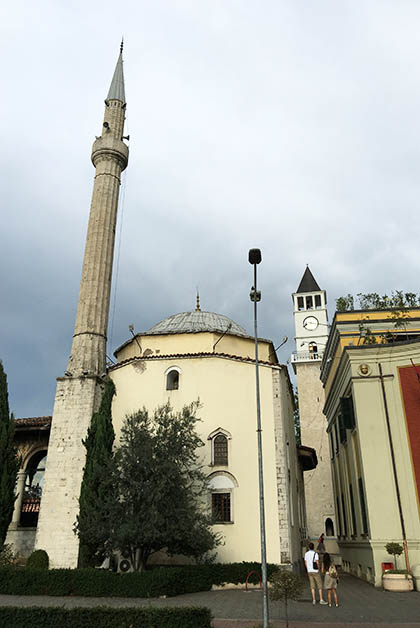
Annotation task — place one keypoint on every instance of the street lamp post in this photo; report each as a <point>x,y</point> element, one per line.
<point>254,258</point>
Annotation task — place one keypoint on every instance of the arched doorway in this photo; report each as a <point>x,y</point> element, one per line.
<point>329,527</point>
<point>34,482</point>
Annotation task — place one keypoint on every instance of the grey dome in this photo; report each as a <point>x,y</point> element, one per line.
<point>196,321</point>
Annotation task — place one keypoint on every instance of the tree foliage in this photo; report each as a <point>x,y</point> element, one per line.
<point>93,521</point>
<point>285,585</point>
<point>9,462</point>
<point>395,549</point>
<point>160,487</point>
<point>374,301</point>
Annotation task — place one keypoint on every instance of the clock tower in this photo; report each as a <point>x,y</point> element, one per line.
<point>311,325</point>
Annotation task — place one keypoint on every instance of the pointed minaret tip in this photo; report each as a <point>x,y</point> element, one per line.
<point>117,91</point>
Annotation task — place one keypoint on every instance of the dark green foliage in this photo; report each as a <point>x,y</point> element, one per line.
<point>160,487</point>
<point>7,555</point>
<point>395,549</point>
<point>153,582</point>
<point>96,492</point>
<point>145,617</point>
<point>38,560</point>
<point>344,304</point>
<point>9,463</point>
<point>374,301</point>
<point>286,585</point>
<point>101,583</point>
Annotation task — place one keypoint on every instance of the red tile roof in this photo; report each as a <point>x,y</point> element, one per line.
<point>37,421</point>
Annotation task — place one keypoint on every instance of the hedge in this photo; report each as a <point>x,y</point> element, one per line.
<point>28,617</point>
<point>155,582</point>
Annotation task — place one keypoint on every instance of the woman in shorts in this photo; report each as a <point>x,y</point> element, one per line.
<point>330,578</point>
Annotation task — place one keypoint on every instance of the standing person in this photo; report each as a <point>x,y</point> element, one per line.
<point>331,578</point>
<point>321,548</point>
<point>312,567</point>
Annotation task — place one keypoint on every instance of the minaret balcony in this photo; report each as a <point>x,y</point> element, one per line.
<point>108,146</point>
<point>307,356</point>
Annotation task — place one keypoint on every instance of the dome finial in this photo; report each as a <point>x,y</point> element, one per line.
<point>197,309</point>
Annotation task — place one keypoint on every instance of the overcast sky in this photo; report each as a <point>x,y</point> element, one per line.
<point>288,125</point>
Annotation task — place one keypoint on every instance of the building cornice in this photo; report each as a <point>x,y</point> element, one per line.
<point>192,356</point>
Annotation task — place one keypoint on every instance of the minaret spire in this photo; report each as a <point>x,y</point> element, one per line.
<point>110,157</point>
<point>116,90</point>
<point>79,392</point>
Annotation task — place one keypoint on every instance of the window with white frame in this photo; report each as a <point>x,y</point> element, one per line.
<point>172,378</point>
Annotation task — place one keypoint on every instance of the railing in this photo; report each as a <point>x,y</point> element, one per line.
<point>306,356</point>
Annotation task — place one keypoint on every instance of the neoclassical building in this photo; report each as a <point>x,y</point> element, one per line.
<point>188,356</point>
<point>371,376</point>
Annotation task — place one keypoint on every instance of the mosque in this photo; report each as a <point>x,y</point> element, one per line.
<point>186,356</point>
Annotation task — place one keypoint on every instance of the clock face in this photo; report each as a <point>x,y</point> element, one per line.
<point>310,323</point>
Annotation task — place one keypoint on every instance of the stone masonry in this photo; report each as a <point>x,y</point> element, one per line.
<point>79,392</point>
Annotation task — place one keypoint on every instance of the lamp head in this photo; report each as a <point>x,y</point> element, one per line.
<point>254,256</point>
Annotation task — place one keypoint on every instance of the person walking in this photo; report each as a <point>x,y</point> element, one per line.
<point>312,567</point>
<point>330,578</point>
<point>321,549</point>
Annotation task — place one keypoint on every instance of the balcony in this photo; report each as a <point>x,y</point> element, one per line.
<point>306,356</point>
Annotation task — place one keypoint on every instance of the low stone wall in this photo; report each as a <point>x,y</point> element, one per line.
<point>22,540</point>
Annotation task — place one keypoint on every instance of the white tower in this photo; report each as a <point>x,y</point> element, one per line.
<point>79,393</point>
<point>311,324</point>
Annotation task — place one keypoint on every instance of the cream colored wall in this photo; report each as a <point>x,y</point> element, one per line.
<point>203,342</point>
<point>226,389</point>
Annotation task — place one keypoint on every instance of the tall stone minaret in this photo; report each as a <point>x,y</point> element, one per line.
<point>311,323</point>
<point>79,392</point>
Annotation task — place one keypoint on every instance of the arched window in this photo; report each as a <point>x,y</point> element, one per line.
<point>172,380</point>
<point>329,527</point>
<point>222,486</point>
<point>219,446</point>
<point>220,449</point>
<point>34,483</point>
<point>313,349</point>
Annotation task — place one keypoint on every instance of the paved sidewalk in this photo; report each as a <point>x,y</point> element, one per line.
<point>360,604</point>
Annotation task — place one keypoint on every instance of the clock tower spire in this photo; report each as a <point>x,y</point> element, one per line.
<point>79,392</point>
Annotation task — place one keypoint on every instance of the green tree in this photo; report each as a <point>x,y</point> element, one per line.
<point>160,487</point>
<point>285,585</point>
<point>96,494</point>
<point>345,304</point>
<point>395,549</point>
<point>9,462</point>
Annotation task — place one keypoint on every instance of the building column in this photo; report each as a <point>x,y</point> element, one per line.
<point>20,486</point>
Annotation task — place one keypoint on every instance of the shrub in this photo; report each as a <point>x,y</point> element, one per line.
<point>144,617</point>
<point>38,560</point>
<point>395,549</point>
<point>153,582</point>
<point>7,556</point>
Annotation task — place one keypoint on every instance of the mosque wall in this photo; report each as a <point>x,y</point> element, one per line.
<point>226,389</point>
